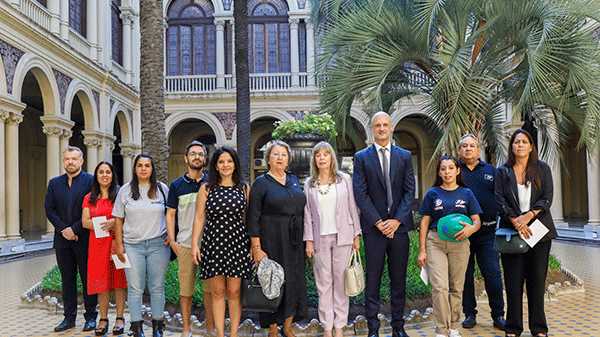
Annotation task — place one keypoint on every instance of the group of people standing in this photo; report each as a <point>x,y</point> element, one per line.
<point>218,225</point>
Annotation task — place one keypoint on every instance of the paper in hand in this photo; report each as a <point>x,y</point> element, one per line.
<point>98,231</point>
<point>425,274</point>
<point>119,264</point>
<point>317,262</point>
<point>538,231</point>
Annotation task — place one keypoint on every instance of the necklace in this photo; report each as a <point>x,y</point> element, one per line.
<point>274,176</point>
<point>323,192</point>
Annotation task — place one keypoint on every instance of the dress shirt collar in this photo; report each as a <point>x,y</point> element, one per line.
<point>379,147</point>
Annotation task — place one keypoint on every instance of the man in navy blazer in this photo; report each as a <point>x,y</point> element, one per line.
<point>384,189</point>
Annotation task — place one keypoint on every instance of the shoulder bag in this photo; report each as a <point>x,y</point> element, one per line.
<point>354,278</point>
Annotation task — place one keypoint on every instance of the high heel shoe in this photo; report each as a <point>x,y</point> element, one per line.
<point>103,330</point>
<point>119,330</point>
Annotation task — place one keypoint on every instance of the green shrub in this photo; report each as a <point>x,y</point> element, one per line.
<point>52,281</point>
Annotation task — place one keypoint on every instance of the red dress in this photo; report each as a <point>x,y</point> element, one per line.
<point>102,274</point>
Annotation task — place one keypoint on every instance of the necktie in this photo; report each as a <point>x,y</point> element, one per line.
<point>386,177</point>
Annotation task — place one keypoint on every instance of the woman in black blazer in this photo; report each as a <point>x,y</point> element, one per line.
<point>524,192</point>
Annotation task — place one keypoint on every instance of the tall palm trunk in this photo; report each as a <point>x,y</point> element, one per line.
<point>242,78</point>
<point>152,93</point>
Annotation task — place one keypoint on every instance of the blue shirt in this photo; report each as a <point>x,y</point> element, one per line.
<point>481,181</point>
<point>438,203</point>
<point>63,206</point>
<point>182,197</point>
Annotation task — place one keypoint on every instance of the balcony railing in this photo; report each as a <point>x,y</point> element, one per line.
<point>36,12</point>
<point>79,43</point>
<point>181,84</point>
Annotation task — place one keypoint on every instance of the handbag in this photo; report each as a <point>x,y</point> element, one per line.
<point>508,241</point>
<point>253,297</point>
<point>354,277</point>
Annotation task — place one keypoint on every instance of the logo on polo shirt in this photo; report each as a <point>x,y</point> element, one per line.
<point>488,177</point>
<point>438,204</point>
<point>460,203</point>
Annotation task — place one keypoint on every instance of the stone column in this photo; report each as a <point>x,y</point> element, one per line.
<point>108,145</point>
<point>92,141</point>
<point>92,28</point>
<point>127,18</point>
<point>4,115</point>
<point>593,179</point>
<point>233,54</point>
<point>220,53</point>
<point>54,9</point>
<point>310,53</point>
<point>102,29</point>
<point>128,151</point>
<point>64,140</point>
<point>64,20</point>
<point>12,176</point>
<point>294,52</point>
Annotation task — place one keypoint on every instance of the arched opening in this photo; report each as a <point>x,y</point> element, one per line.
<point>574,181</point>
<point>32,161</point>
<point>261,135</point>
<point>117,158</point>
<point>77,137</point>
<point>347,147</point>
<point>182,134</point>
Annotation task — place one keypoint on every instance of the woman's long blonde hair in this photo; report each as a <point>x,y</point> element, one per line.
<point>333,168</point>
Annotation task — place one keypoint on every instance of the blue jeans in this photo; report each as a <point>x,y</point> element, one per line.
<point>482,247</point>
<point>149,260</point>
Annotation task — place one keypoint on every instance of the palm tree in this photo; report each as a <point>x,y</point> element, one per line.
<point>152,93</point>
<point>242,89</point>
<point>465,59</point>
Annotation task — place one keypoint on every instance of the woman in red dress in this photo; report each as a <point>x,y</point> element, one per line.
<point>102,275</point>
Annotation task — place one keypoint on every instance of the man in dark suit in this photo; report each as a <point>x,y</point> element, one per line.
<point>63,208</point>
<point>384,188</point>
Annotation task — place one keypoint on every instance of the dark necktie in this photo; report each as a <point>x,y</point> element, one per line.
<point>386,177</point>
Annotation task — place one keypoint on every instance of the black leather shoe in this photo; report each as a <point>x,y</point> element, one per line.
<point>373,333</point>
<point>66,324</point>
<point>499,323</point>
<point>399,332</point>
<point>89,325</point>
<point>470,322</point>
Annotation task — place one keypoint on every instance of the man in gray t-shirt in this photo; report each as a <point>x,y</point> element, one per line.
<point>182,202</point>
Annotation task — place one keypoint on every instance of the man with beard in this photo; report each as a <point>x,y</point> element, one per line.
<point>63,208</point>
<point>182,203</point>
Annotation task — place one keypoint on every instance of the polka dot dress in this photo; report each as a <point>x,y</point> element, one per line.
<point>225,243</point>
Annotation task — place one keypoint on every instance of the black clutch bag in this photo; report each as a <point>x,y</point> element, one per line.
<point>253,297</point>
<point>508,241</point>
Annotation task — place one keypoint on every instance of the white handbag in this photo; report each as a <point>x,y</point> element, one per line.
<point>354,278</point>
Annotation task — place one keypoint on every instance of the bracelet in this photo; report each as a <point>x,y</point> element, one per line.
<point>532,212</point>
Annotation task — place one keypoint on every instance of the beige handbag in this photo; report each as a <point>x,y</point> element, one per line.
<point>354,278</point>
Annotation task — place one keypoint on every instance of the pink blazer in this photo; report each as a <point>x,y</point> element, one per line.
<point>347,220</point>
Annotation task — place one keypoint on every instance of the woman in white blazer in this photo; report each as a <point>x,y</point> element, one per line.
<point>331,231</point>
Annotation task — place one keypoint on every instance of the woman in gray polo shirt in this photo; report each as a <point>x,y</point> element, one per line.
<point>140,230</point>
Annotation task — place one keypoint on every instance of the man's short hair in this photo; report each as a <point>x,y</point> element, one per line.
<point>195,143</point>
<point>468,135</point>
<point>72,149</point>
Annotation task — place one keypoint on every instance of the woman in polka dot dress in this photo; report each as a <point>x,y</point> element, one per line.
<point>224,256</point>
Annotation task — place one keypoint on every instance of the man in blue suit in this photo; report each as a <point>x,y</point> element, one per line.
<point>384,188</point>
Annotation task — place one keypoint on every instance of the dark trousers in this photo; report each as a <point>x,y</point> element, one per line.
<point>529,269</point>
<point>488,260</point>
<point>69,259</point>
<point>377,246</point>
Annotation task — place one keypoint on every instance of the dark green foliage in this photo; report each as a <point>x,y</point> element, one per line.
<point>53,281</point>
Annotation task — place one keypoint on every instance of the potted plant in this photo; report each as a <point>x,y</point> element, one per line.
<point>302,136</point>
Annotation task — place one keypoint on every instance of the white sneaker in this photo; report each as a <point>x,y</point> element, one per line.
<point>186,334</point>
<point>439,335</point>
<point>454,333</point>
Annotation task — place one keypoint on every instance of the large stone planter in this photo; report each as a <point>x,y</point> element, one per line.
<point>302,146</point>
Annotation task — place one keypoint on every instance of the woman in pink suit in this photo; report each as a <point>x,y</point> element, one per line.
<point>331,231</point>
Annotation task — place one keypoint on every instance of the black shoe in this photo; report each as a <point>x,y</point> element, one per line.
<point>499,323</point>
<point>90,324</point>
<point>399,332</point>
<point>470,322</point>
<point>119,330</point>
<point>373,333</point>
<point>137,329</point>
<point>66,324</point>
<point>103,330</point>
<point>157,327</point>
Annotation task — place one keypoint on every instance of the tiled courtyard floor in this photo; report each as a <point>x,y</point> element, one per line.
<point>572,315</point>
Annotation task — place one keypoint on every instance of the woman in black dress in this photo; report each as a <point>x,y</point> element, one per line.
<point>275,225</point>
<point>223,256</point>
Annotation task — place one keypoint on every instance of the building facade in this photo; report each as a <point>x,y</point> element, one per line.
<point>69,75</point>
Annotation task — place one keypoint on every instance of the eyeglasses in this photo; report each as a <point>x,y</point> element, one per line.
<point>196,154</point>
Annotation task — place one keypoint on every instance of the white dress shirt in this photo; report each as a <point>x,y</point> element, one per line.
<point>387,153</point>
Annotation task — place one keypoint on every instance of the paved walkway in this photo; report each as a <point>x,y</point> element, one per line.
<point>572,315</point>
